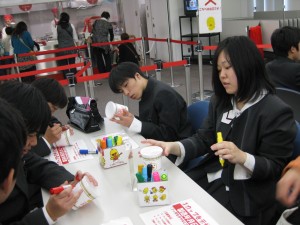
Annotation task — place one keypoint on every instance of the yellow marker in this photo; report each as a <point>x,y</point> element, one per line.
<point>220,139</point>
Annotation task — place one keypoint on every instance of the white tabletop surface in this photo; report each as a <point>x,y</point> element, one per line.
<point>117,198</point>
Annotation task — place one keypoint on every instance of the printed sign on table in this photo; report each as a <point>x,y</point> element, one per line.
<point>186,212</point>
<point>210,16</point>
<point>69,154</point>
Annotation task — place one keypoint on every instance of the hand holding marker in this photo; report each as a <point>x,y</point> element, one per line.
<point>57,190</point>
<point>220,139</point>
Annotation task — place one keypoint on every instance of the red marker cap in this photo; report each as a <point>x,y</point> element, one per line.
<point>57,190</point>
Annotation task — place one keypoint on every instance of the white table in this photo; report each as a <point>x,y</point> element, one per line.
<point>117,198</point>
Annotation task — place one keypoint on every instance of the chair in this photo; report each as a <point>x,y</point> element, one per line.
<point>291,98</point>
<point>197,113</point>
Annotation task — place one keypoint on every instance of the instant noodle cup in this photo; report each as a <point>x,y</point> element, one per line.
<point>152,155</point>
<point>64,140</point>
<point>90,192</point>
<point>112,108</point>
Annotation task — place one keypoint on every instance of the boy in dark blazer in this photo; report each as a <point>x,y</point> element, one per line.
<point>284,70</point>
<point>34,170</point>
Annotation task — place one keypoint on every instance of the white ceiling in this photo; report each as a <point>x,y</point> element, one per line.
<point>7,3</point>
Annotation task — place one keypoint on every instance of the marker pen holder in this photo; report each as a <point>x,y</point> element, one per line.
<point>153,193</point>
<point>113,156</point>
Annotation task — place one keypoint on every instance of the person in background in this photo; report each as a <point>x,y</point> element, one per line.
<point>127,52</point>
<point>22,42</point>
<point>8,49</point>
<point>284,70</point>
<point>8,20</point>
<point>101,29</point>
<point>288,191</point>
<point>162,111</point>
<point>56,98</point>
<point>20,206</point>
<point>13,136</point>
<point>258,132</point>
<point>54,22</point>
<point>66,37</point>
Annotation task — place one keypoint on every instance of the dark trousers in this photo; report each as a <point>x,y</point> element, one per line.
<point>65,62</point>
<point>103,60</point>
<point>28,79</point>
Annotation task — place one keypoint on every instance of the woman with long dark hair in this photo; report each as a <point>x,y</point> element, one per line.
<point>22,42</point>
<point>258,130</point>
<point>66,37</point>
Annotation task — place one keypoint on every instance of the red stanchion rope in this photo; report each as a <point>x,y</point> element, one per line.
<point>96,76</point>
<point>38,61</point>
<point>36,72</point>
<point>156,39</point>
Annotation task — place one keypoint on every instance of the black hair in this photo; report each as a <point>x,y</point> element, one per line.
<point>121,73</point>
<point>64,20</point>
<point>243,55</point>
<point>13,138</point>
<point>283,39</point>
<point>20,28</point>
<point>105,14</point>
<point>9,30</point>
<point>30,102</point>
<point>52,90</point>
<point>124,36</point>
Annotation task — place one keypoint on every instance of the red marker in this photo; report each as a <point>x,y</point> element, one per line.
<point>57,190</point>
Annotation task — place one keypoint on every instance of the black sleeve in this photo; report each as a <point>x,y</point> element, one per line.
<point>41,148</point>
<point>111,34</point>
<point>36,45</point>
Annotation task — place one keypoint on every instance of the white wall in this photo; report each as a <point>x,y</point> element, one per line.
<point>292,5</point>
<point>237,9</point>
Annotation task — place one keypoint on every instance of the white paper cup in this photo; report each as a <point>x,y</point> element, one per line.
<point>152,155</point>
<point>64,139</point>
<point>90,192</point>
<point>112,108</point>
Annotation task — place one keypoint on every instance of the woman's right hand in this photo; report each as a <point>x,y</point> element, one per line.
<point>168,147</point>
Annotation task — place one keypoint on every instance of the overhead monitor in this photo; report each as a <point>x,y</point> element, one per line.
<point>190,7</point>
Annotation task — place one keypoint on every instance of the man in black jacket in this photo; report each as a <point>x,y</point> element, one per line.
<point>162,111</point>
<point>34,170</point>
<point>284,70</point>
<point>12,137</point>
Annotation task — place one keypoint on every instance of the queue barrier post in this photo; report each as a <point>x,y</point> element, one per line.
<point>159,67</point>
<point>85,83</point>
<point>91,82</point>
<point>144,51</point>
<point>199,49</point>
<point>72,82</point>
<point>188,88</point>
<point>18,69</point>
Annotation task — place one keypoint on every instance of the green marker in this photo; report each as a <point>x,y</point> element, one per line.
<point>164,176</point>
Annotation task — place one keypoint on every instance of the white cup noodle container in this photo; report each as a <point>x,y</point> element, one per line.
<point>152,155</point>
<point>64,139</point>
<point>90,192</point>
<point>112,108</point>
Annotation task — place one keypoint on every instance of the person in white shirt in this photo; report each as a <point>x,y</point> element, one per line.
<point>8,19</point>
<point>54,22</point>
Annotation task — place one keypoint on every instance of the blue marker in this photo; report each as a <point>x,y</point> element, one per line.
<point>86,151</point>
<point>144,173</point>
